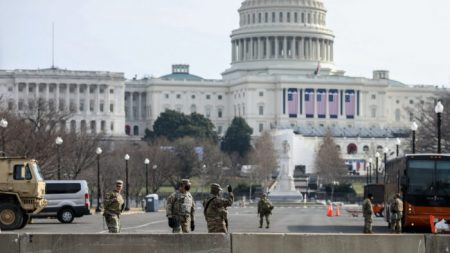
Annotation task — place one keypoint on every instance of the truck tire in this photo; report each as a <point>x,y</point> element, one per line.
<point>11,216</point>
<point>26,219</point>
<point>66,215</point>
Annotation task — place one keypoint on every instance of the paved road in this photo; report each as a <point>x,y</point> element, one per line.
<point>284,220</point>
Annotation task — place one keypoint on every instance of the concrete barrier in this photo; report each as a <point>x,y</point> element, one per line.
<point>333,243</point>
<point>9,243</point>
<point>120,243</point>
<point>438,243</point>
<point>224,243</point>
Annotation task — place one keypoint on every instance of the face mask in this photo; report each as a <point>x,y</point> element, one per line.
<point>187,187</point>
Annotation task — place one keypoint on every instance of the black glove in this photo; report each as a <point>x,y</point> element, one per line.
<point>192,225</point>
<point>171,222</point>
<point>230,189</point>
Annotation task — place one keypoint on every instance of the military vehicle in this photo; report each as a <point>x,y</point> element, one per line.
<point>22,191</point>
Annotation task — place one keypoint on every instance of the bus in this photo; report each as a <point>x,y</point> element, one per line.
<point>424,182</point>
<point>377,190</point>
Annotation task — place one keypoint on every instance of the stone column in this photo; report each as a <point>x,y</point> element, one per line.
<point>301,43</point>
<point>285,49</point>
<point>268,48</point>
<point>88,106</point>
<point>276,47</point>
<point>77,99</point>
<point>245,50</point>
<point>47,93</point>
<point>57,91</point>
<point>251,49</point>
<point>332,51</point>
<point>294,47</point>
<point>139,107</point>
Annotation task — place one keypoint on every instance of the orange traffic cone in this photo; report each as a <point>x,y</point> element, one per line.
<point>433,230</point>
<point>338,212</point>
<point>330,211</point>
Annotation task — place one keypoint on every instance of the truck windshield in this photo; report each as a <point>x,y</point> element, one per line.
<point>443,178</point>
<point>420,174</point>
<point>37,171</point>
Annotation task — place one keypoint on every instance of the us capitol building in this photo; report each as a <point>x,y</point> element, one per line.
<point>282,77</point>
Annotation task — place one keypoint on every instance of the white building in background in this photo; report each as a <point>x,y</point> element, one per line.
<point>94,98</point>
<point>282,76</point>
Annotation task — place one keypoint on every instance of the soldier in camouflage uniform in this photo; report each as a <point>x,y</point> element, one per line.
<point>180,209</point>
<point>397,213</point>
<point>264,210</point>
<point>215,209</point>
<point>113,207</point>
<point>367,209</point>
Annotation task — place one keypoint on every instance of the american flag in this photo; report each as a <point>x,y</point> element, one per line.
<point>333,103</point>
<point>309,102</point>
<point>292,102</point>
<point>350,103</point>
<point>321,103</point>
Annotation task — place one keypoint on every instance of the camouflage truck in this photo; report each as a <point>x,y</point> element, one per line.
<point>22,190</point>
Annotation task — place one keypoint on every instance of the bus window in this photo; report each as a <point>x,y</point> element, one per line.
<point>420,174</point>
<point>443,178</point>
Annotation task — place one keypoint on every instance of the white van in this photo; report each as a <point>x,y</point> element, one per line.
<point>67,199</point>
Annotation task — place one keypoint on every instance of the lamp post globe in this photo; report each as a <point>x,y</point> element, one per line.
<point>98,151</point>
<point>377,157</point>
<point>127,206</point>
<point>58,142</point>
<point>146,162</point>
<point>439,108</point>
<point>370,170</point>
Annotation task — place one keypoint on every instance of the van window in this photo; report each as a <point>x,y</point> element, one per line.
<point>18,173</point>
<point>61,188</point>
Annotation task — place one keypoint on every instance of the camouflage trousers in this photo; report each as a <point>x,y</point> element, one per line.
<point>185,224</point>
<point>261,219</point>
<point>397,222</point>
<point>216,226</point>
<point>113,223</point>
<point>367,224</point>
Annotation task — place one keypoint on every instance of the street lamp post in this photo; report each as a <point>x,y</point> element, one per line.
<point>439,109</point>
<point>377,157</point>
<point>398,144</point>
<point>127,206</point>
<point>98,151</point>
<point>58,142</point>
<point>146,162</point>
<point>154,177</point>
<point>370,170</point>
<point>385,151</point>
<point>414,129</point>
<point>3,125</point>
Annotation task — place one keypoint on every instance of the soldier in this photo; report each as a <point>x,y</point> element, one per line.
<point>367,209</point>
<point>397,211</point>
<point>264,210</point>
<point>113,205</point>
<point>180,209</point>
<point>215,209</point>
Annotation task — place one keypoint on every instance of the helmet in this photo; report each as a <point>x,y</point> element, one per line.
<point>185,182</point>
<point>264,195</point>
<point>215,188</point>
<point>119,182</point>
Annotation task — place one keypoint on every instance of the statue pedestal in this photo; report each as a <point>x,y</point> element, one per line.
<point>284,190</point>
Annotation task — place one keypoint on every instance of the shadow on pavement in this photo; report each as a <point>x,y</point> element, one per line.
<point>334,229</point>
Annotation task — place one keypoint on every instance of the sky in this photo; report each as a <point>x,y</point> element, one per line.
<point>410,38</point>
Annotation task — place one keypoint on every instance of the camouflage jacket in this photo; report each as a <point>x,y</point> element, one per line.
<point>367,207</point>
<point>180,204</point>
<point>113,203</point>
<point>264,206</point>
<point>217,207</point>
<point>397,205</point>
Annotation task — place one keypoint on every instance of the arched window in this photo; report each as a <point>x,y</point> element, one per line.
<point>73,126</point>
<point>338,148</point>
<point>193,108</point>
<point>380,149</point>
<point>352,149</point>
<point>93,126</point>
<point>366,148</point>
<point>127,130</point>
<point>83,126</point>
<point>135,130</point>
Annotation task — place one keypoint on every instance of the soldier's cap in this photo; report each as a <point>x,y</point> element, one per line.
<point>119,182</point>
<point>185,182</point>
<point>215,186</point>
<point>397,195</point>
<point>263,195</point>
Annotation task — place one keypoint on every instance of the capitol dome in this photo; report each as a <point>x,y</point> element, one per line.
<point>281,36</point>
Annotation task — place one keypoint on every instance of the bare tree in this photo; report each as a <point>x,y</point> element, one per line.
<point>328,163</point>
<point>263,158</point>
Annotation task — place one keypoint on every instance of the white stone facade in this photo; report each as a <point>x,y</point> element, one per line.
<point>94,99</point>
